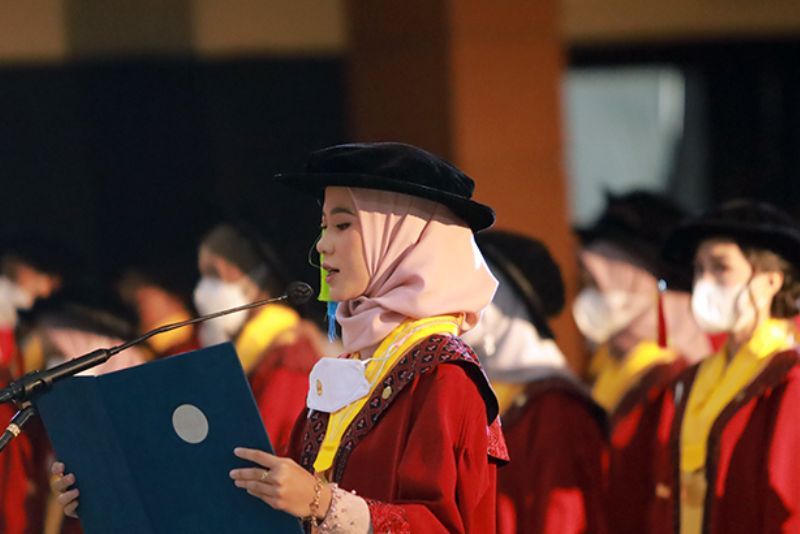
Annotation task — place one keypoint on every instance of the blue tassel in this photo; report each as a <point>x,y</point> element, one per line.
<point>332,321</point>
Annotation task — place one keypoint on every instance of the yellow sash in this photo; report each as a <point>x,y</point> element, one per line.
<point>388,353</point>
<point>615,377</point>
<point>716,384</point>
<point>162,342</point>
<point>261,331</point>
<point>507,393</point>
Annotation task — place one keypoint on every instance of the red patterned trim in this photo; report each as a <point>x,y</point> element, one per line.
<point>387,518</point>
<point>497,442</point>
<point>419,360</point>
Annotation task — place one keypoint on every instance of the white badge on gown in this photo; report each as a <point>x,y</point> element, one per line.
<point>336,382</point>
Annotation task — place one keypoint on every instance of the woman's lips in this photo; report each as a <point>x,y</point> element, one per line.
<point>331,273</point>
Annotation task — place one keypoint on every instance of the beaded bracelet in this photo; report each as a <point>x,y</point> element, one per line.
<point>331,519</point>
<point>314,506</point>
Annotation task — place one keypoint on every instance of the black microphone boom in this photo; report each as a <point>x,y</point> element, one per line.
<point>24,388</point>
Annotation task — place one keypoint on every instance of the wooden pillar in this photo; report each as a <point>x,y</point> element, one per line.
<point>478,82</point>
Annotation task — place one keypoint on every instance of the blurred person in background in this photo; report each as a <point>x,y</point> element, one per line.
<point>726,460</point>
<point>31,268</point>
<point>82,318</point>
<point>159,297</point>
<point>556,433</point>
<point>276,347</point>
<point>642,337</point>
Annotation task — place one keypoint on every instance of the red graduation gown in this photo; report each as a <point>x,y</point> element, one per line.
<point>633,425</point>
<point>752,465</point>
<point>24,478</point>
<point>422,451</point>
<point>556,482</point>
<point>280,384</point>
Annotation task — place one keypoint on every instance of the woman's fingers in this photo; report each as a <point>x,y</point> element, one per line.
<point>71,509</point>
<point>253,473</point>
<point>63,483</point>
<point>68,497</point>
<point>57,469</point>
<point>262,458</point>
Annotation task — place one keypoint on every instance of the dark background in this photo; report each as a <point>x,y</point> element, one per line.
<point>132,161</point>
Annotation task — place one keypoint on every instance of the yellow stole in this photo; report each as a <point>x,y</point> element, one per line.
<point>615,377</point>
<point>716,384</point>
<point>388,353</point>
<point>507,393</point>
<point>263,329</point>
<point>162,342</point>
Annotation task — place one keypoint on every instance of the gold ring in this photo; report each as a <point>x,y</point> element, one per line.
<point>264,475</point>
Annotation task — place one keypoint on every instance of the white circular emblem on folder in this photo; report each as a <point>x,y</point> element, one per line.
<point>190,423</point>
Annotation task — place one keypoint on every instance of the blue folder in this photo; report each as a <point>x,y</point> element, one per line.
<point>120,434</point>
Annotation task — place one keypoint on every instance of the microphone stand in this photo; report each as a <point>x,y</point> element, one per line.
<point>23,390</point>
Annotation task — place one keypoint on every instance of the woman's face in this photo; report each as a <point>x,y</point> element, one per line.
<point>722,262</point>
<point>342,246</point>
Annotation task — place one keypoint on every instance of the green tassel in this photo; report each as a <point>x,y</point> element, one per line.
<point>324,296</point>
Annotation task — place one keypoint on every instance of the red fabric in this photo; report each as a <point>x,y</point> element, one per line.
<point>280,384</point>
<point>423,464</point>
<point>23,473</point>
<point>556,482</point>
<point>7,346</point>
<point>23,478</point>
<point>633,429</point>
<point>754,475</point>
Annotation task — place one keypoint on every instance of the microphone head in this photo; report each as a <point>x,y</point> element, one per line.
<point>298,293</point>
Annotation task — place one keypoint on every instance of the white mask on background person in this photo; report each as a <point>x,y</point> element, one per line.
<point>12,298</point>
<point>336,382</point>
<point>212,295</point>
<point>718,308</point>
<point>599,315</point>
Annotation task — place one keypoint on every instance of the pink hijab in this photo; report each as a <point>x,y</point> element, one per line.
<point>422,261</point>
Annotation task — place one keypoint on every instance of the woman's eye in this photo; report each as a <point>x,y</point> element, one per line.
<point>343,226</point>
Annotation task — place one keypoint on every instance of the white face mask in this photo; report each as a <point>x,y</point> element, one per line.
<point>718,308</point>
<point>601,315</point>
<point>336,382</point>
<point>213,295</point>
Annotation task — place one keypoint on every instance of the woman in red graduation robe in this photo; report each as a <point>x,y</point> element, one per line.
<point>276,347</point>
<point>406,419</point>
<point>726,460</point>
<point>556,433</point>
<point>642,335</point>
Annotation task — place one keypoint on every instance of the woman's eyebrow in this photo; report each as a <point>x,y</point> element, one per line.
<point>336,210</point>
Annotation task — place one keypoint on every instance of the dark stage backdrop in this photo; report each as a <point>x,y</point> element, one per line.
<point>131,161</point>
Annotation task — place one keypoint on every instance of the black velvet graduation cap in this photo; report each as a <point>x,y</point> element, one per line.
<point>748,223</point>
<point>392,167</point>
<point>639,223</point>
<point>528,266</point>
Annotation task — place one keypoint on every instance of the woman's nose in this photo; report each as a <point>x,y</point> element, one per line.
<point>323,245</point>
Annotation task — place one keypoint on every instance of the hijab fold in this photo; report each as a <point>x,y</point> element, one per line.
<point>422,262</point>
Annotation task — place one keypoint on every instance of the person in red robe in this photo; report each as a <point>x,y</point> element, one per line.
<point>728,438</point>
<point>556,433</point>
<point>31,268</point>
<point>276,347</point>
<point>642,335</point>
<point>401,433</point>
<point>159,296</point>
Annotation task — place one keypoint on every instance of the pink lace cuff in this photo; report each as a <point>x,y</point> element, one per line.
<point>348,514</point>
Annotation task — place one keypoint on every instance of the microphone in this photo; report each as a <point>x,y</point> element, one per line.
<point>24,388</point>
